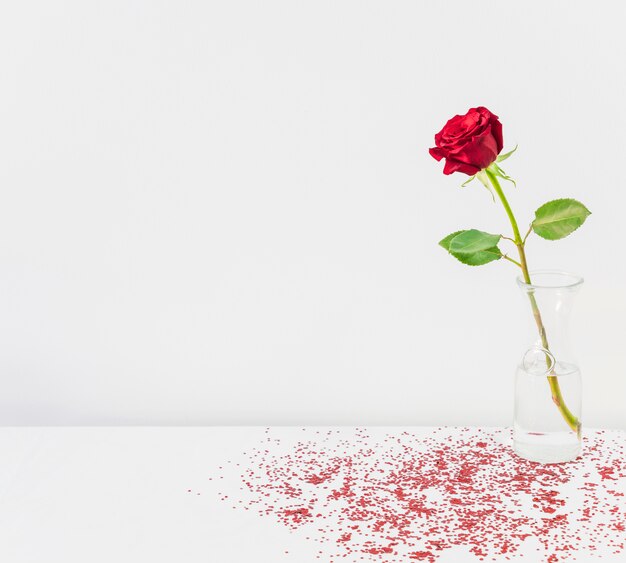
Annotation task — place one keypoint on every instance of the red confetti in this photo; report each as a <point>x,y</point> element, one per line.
<point>407,497</point>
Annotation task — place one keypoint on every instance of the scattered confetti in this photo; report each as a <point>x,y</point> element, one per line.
<point>405,497</point>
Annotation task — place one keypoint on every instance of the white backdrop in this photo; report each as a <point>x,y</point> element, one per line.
<point>225,212</point>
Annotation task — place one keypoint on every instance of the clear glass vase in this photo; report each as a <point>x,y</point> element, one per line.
<point>548,387</point>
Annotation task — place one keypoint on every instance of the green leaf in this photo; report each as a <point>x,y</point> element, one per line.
<point>468,181</point>
<point>445,242</point>
<point>474,257</point>
<point>484,180</point>
<point>558,218</point>
<point>506,155</point>
<point>472,241</point>
<point>479,258</point>
<point>502,174</point>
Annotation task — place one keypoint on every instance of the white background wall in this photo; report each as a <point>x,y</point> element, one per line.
<point>225,212</point>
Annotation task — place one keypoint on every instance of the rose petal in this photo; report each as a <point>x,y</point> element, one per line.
<point>480,152</point>
<point>496,126</point>
<point>436,153</point>
<point>457,166</point>
<point>496,131</point>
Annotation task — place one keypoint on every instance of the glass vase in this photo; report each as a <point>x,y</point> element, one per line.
<point>548,387</point>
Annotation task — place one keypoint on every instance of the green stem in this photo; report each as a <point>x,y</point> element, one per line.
<point>553,381</point>
<point>511,260</point>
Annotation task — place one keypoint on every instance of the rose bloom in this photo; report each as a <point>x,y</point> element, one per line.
<point>469,142</point>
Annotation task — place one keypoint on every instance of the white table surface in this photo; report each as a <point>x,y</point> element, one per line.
<point>158,494</point>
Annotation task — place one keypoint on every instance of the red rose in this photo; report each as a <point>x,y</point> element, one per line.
<point>469,142</point>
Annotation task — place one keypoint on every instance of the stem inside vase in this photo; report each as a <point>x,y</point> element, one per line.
<point>553,382</point>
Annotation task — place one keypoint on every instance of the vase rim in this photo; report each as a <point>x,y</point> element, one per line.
<point>551,279</point>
